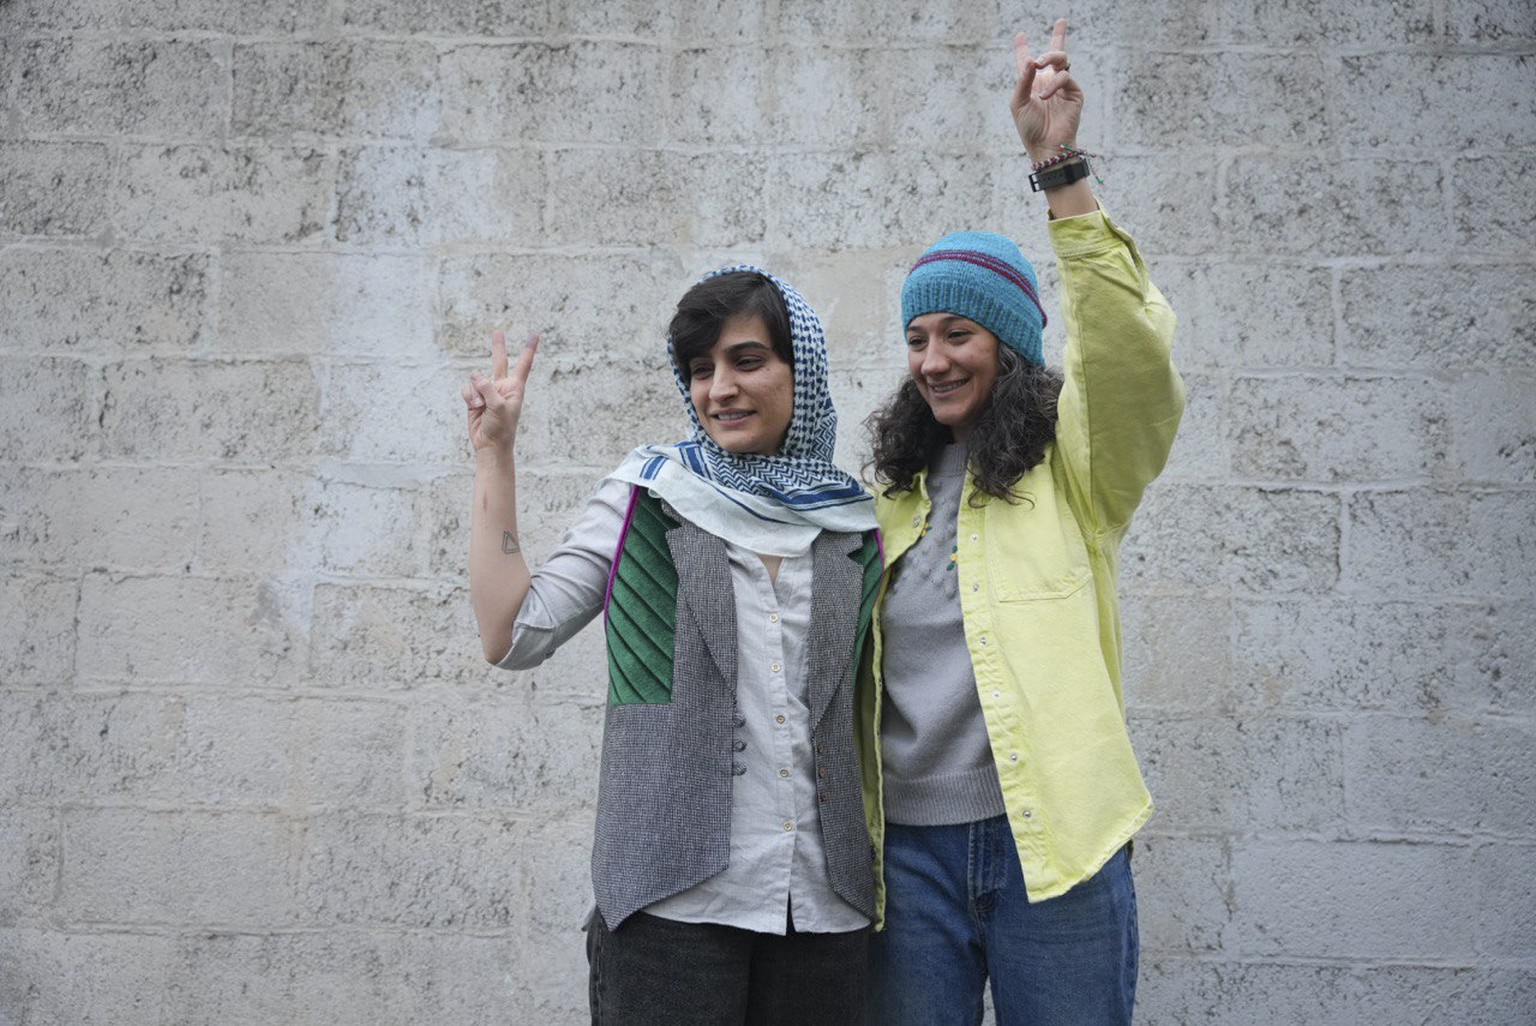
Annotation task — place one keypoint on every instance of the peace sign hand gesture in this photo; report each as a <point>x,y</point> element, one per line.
<point>495,403</point>
<point>1047,102</point>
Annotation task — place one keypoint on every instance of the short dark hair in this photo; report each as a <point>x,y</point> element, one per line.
<point>704,309</point>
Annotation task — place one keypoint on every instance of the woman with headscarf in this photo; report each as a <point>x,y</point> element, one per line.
<point>736,573</point>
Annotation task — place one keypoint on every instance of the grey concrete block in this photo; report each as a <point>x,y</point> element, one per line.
<point>908,20</point>
<point>1226,774</point>
<point>656,197</point>
<point>577,92</point>
<point>578,302</point>
<point>1166,204</point>
<point>254,519</point>
<point>959,101</point>
<point>1358,900</point>
<point>1348,207</point>
<point>1460,544</point>
<point>363,88</point>
<point>1252,539</point>
<point>1420,658</point>
<point>29,865</point>
<point>817,98</point>
<point>1246,316</point>
<point>252,194</point>
<point>1498,183</point>
<point>833,202</point>
<point>133,866</point>
<point>1223,99</point>
<point>414,196</point>
<point>1455,774</point>
<point>1180,991</point>
<point>1374,23</point>
<point>37,629</point>
<point>418,871</point>
<point>386,638</point>
<point>1493,427</point>
<point>332,304</point>
<point>77,299</point>
<point>560,884</point>
<point>1176,653</point>
<point>633,408</point>
<point>1437,316</point>
<point>1182,890</point>
<point>538,976</point>
<point>190,630</point>
<point>449,17</point>
<point>55,977</point>
<point>1203,449</point>
<point>349,752</point>
<point>245,412</point>
<point>1333,429</point>
<point>126,518</point>
<point>46,408</point>
<point>394,414</point>
<point>54,189</point>
<point>503,746</point>
<point>167,88</point>
<point>345,978</point>
<point>1491,21</point>
<point>1506,922</point>
<point>718,96</point>
<point>1421,101</point>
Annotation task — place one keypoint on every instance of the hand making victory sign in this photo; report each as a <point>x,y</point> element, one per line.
<point>1047,107</point>
<point>495,403</point>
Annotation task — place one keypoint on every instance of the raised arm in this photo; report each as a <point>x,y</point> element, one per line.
<point>1047,107</point>
<point>498,573</point>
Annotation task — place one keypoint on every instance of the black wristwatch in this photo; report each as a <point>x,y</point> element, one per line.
<point>1061,174</point>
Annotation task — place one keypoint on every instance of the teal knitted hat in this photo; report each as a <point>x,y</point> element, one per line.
<point>982,277</point>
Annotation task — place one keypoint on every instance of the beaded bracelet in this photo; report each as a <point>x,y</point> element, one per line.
<point>1066,154</point>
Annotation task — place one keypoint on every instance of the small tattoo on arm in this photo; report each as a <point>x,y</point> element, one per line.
<point>509,545</point>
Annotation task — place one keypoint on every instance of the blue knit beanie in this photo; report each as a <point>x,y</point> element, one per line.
<point>982,277</point>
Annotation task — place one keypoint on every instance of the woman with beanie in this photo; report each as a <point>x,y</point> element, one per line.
<point>1003,790</point>
<point>736,573</point>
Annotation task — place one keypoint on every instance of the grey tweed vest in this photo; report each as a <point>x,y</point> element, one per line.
<point>664,796</point>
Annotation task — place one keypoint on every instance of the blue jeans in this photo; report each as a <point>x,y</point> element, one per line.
<point>956,915</point>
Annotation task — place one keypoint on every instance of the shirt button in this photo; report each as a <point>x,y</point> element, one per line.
<point>784,773</point>
<point>773,617</point>
<point>788,826</point>
<point>821,772</point>
<point>975,537</point>
<point>917,521</point>
<point>1014,757</point>
<point>779,718</point>
<point>983,639</point>
<point>1028,814</point>
<point>740,746</point>
<point>975,587</point>
<point>997,694</point>
<point>775,667</point>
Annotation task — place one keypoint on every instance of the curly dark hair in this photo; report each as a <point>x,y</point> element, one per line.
<point>1008,439</point>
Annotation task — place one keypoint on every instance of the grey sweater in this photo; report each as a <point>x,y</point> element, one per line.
<point>938,761</point>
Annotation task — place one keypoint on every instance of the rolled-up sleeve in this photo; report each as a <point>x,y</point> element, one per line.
<point>567,590</point>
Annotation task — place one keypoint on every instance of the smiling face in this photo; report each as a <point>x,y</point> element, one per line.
<point>954,364</point>
<point>742,390</point>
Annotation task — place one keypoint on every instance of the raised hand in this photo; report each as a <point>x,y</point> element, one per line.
<point>1047,102</point>
<point>495,403</point>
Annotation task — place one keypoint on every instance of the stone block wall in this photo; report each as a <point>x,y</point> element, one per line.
<point>253,769</point>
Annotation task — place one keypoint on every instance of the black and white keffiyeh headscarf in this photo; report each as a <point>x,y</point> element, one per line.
<point>770,504</point>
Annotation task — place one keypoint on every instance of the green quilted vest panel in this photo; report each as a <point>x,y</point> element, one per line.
<point>642,609</point>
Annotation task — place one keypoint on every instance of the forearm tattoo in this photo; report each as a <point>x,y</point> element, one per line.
<point>509,545</point>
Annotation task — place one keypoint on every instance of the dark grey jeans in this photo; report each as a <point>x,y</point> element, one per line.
<point>657,972</point>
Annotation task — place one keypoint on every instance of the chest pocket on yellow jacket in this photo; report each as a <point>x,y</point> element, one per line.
<point>1034,549</point>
